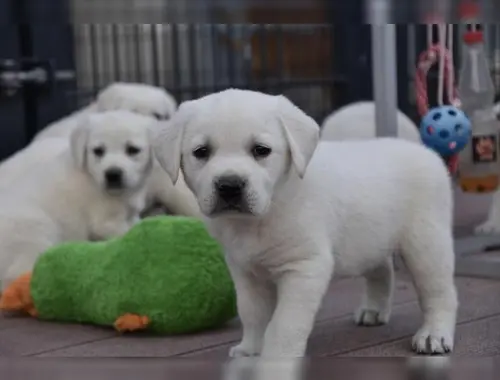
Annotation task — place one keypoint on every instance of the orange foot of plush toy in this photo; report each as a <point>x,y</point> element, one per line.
<point>131,322</point>
<point>17,296</point>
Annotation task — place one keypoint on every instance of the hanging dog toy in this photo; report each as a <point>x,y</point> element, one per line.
<point>479,161</point>
<point>445,129</point>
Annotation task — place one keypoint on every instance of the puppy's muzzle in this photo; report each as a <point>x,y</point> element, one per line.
<point>114,178</point>
<point>230,193</point>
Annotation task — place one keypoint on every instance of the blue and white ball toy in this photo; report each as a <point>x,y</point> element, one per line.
<point>445,129</point>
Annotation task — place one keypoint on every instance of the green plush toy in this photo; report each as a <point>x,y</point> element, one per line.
<point>166,275</point>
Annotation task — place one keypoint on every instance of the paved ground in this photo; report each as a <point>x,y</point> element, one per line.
<point>478,330</point>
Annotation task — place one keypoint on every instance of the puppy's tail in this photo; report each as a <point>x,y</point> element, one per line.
<point>17,296</point>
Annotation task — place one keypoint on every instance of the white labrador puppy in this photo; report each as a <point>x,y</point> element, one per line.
<point>139,98</point>
<point>356,121</point>
<point>290,213</point>
<point>92,189</point>
<point>136,97</point>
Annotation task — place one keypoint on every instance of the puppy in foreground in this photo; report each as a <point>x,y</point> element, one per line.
<point>92,189</point>
<point>291,212</point>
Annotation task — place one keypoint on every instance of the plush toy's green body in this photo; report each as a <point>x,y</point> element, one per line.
<point>166,268</point>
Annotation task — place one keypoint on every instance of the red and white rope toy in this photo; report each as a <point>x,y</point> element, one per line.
<point>426,60</point>
<point>441,54</point>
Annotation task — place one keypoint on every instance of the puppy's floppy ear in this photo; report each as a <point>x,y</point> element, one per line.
<point>78,144</point>
<point>301,132</point>
<point>167,140</point>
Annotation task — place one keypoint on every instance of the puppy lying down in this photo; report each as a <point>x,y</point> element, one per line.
<point>292,212</point>
<point>93,189</point>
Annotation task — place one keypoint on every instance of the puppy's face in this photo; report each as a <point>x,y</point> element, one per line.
<point>114,148</point>
<point>232,164</point>
<point>235,147</point>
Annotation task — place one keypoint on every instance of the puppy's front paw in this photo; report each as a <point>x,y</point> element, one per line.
<point>367,317</point>
<point>242,351</point>
<point>490,227</point>
<point>431,342</point>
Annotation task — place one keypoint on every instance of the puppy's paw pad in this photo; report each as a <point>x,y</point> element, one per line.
<point>241,351</point>
<point>427,343</point>
<point>490,227</point>
<point>367,317</point>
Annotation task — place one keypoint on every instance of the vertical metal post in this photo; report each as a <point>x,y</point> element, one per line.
<point>384,67</point>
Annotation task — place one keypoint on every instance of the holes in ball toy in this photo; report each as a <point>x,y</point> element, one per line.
<point>444,134</point>
<point>452,113</point>
<point>459,129</point>
<point>437,116</point>
<point>430,130</point>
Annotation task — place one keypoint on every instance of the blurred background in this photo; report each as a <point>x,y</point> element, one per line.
<point>55,55</point>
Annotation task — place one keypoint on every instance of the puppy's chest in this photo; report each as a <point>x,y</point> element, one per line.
<point>262,251</point>
<point>115,210</point>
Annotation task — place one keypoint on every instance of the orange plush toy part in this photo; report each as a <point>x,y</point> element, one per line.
<point>131,322</point>
<point>17,296</point>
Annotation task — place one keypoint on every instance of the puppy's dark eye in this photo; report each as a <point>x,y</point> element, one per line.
<point>99,151</point>
<point>202,152</point>
<point>132,150</point>
<point>159,116</point>
<point>260,151</point>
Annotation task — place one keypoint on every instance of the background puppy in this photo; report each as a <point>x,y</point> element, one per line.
<point>290,213</point>
<point>136,97</point>
<point>94,188</point>
<point>356,121</point>
<point>141,99</point>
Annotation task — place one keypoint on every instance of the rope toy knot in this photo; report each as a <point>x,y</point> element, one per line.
<point>425,65</point>
<point>432,56</point>
<point>457,103</point>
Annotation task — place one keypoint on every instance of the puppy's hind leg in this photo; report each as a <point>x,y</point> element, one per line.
<point>375,308</point>
<point>428,253</point>
<point>492,225</point>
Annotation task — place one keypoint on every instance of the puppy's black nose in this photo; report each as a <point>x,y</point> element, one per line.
<point>114,177</point>
<point>230,188</point>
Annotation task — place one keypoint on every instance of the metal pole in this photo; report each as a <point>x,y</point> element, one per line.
<point>384,67</point>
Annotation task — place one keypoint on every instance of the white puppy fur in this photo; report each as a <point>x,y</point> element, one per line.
<point>80,194</point>
<point>356,121</point>
<point>290,213</point>
<point>136,97</point>
<point>139,98</point>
